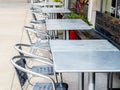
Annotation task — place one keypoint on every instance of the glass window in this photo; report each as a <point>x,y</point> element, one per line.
<point>111,7</point>
<point>72,4</point>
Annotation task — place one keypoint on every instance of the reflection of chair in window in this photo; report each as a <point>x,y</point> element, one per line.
<point>112,11</point>
<point>43,82</point>
<point>119,13</point>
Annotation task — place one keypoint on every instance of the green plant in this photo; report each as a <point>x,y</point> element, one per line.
<point>76,16</point>
<point>85,19</point>
<point>81,5</point>
<point>57,1</point>
<point>73,16</point>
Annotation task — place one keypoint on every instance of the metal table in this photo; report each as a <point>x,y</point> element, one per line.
<point>80,45</point>
<point>55,10</point>
<point>47,4</point>
<point>53,13</point>
<point>103,57</point>
<point>66,24</point>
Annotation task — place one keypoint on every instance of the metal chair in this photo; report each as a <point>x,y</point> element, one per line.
<point>37,1</point>
<point>25,82</point>
<point>34,51</point>
<point>37,35</point>
<point>43,69</point>
<point>38,15</point>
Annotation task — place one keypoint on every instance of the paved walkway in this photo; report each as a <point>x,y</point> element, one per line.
<point>12,20</point>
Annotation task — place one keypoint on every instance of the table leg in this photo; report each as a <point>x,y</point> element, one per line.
<point>64,35</point>
<point>82,76</point>
<point>67,34</point>
<point>82,81</point>
<point>55,17</point>
<point>110,81</point>
<point>91,81</point>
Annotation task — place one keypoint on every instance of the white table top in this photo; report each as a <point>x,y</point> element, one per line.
<point>90,61</point>
<point>82,45</point>
<point>66,24</point>
<point>85,56</point>
<point>48,4</point>
<point>55,10</point>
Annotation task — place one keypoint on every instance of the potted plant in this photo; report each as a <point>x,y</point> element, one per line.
<point>73,34</point>
<point>57,1</point>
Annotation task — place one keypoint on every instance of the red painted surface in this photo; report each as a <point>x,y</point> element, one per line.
<point>73,35</point>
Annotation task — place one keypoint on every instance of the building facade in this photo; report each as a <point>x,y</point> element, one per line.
<point>105,17</point>
<point>107,20</point>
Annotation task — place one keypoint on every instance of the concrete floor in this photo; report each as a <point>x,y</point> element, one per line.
<point>12,19</point>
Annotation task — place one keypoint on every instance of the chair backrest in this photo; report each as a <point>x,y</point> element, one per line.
<point>31,34</point>
<point>34,17</point>
<point>32,51</point>
<point>22,76</point>
<point>35,34</point>
<point>39,14</point>
<point>18,63</point>
<point>37,1</point>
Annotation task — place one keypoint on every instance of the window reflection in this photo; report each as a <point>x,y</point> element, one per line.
<point>111,7</point>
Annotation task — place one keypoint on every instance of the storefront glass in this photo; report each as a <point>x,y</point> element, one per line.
<point>72,4</point>
<point>111,7</point>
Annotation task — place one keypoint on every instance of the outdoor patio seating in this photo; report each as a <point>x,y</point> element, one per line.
<point>37,35</point>
<point>26,82</point>
<point>38,52</point>
<point>34,51</point>
<point>37,1</point>
<point>38,15</point>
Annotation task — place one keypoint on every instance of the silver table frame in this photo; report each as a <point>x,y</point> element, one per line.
<point>53,13</point>
<point>102,58</point>
<point>44,4</point>
<point>66,24</point>
<point>55,10</point>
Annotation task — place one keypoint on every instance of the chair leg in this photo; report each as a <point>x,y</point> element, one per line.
<point>56,77</point>
<point>61,77</point>
<point>108,80</point>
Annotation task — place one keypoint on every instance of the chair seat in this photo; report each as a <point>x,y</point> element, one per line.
<point>48,86</point>
<point>46,69</point>
<point>42,21</point>
<point>40,44</point>
<point>43,37</point>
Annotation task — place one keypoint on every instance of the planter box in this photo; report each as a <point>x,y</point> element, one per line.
<point>109,27</point>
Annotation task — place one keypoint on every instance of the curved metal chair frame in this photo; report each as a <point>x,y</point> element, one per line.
<point>31,50</point>
<point>37,34</point>
<point>19,65</point>
<point>32,53</point>
<point>23,69</point>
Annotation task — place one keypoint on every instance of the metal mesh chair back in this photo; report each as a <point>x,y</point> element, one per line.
<point>22,76</point>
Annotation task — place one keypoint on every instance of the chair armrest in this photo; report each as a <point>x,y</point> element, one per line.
<point>27,53</point>
<point>29,71</point>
